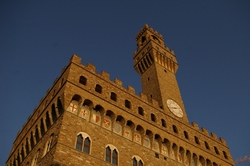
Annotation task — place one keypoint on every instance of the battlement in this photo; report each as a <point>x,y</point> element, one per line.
<point>143,97</point>
<point>146,27</point>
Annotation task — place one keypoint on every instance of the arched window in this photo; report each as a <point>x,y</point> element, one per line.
<point>140,111</point>
<point>83,142</point>
<point>111,155</point>
<point>59,106</point>
<point>22,154</point>
<point>37,135</point>
<point>186,135</point>
<point>153,117</point>
<point>206,145</point>
<point>86,145</point>
<point>42,127</point>
<point>127,104</point>
<point>54,117</point>
<point>83,80</point>
<point>196,140</point>
<point>114,157</point>
<point>113,96</point>
<point>175,129</point>
<point>108,154</point>
<point>48,124</point>
<point>79,142</point>
<point>18,159</point>
<point>98,88</point>
<point>27,147</point>
<point>216,150</point>
<point>225,155</point>
<point>32,144</point>
<point>163,123</point>
<point>136,161</point>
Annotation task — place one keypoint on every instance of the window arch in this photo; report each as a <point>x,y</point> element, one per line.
<point>54,117</point>
<point>27,149</point>
<point>113,96</point>
<point>37,135</point>
<point>137,161</point>
<point>206,145</point>
<point>186,135</point>
<point>175,129</point>
<point>140,111</point>
<point>111,154</point>
<point>59,106</point>
<point>32,144</point>
<point>225,155</point>
<point>42,129</point>
<point>83,142</point>
<point>163,123</point>
<point>98,88</point>
<point>196,140</point>
<point>127,104</point>
<point>47,121</point>
<point>153,117</point>
<point>83,80</point>
<point>216,150</point>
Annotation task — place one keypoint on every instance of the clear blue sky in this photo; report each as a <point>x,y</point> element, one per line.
<point>211,40</point>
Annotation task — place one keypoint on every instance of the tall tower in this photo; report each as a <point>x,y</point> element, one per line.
<point>87,119</point>
<point>157,66</point>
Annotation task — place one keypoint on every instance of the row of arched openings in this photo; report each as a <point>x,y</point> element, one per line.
<point>39,130</point>
<point>128,129</point>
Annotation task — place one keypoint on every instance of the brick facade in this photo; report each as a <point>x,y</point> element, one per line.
<point>87,119</point>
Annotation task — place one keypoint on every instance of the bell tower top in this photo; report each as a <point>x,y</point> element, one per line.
<point>150,41</point>
<point>157,66</point>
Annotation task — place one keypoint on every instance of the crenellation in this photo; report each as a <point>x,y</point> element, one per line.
<point>76,59</point>
<point>118,82</point>
<point>205,131</point>
<point>91,67</point>
<point>105,75</point>
<point>99,114</point>
<point>131,90</point>
<point>214,136</point>
<point>195,125</point>
<point>143,97</point>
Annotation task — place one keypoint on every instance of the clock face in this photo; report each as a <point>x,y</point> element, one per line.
<point>175,108</point>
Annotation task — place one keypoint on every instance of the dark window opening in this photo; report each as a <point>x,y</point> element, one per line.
<point>86,145</point>
<point>98,88</point>
<point>113,96</point>
<point>127,104</point>
<point>153,117</point>
<point>54,117</point>
<point>83,80</point>
<point>196,140</point>
<point>140,111</point>
<point>186,135</point>
<point>108,154</point>
<point>163,123</point>
<point>175,129</point>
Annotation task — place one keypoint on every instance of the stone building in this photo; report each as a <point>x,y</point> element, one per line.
<point>87,119</point>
